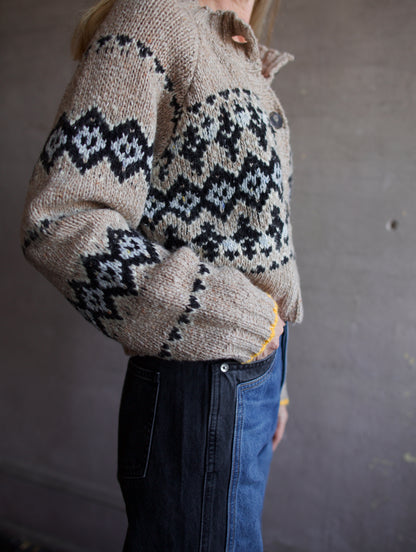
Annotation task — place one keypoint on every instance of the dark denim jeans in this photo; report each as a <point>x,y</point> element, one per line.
<point>194,451</point>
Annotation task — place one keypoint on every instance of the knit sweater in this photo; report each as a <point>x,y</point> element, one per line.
<point>160,203</point>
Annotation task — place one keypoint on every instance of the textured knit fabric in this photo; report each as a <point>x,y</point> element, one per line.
<point>160,204</point>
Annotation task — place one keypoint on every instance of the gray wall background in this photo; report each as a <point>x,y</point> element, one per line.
<point>344,478</point>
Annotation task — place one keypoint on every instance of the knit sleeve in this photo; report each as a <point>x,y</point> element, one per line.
<point>81,222</point>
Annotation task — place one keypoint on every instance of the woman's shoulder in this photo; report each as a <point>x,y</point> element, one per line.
<point>155,35</point>
<point>156,21</point>
<point>160,29</point>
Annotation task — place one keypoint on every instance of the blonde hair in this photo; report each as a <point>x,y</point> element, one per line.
<point>86,28</point>
<point>92,19</point>
<point>264,10</point>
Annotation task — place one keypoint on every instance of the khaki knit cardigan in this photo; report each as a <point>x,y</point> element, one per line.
<point>160,203</point>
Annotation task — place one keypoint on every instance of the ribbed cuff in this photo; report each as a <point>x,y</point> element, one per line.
<point>236,319</point>
<point>272,331</point>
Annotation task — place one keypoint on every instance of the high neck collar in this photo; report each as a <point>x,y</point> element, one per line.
<point>228,23</point>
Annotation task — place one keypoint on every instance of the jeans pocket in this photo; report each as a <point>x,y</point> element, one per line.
<point>267,360</point>
<point>137,415</point>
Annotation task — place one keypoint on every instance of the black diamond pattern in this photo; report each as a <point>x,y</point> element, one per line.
<point>110,275</point>
<point>90,139</point>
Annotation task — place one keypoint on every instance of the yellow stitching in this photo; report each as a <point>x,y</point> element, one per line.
<point>272,329</point>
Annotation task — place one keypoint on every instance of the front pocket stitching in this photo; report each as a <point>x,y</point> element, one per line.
<point>257,381</point>
<point>134,471</point>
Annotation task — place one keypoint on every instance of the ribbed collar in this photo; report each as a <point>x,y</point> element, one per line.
<point>228,24</point>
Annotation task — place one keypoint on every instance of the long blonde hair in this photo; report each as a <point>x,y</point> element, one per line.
<point>264,10</point>
<point>94,16</point>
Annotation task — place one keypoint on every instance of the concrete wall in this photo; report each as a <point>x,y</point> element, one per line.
<point>344,478</point>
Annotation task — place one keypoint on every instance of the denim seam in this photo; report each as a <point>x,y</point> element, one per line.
<point>211,445</point>
<point>235,474</point>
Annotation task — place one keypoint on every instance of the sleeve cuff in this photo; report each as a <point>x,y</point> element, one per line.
<point>272,331</point>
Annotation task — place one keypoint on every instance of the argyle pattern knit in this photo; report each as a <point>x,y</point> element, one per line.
<point>160,203</point>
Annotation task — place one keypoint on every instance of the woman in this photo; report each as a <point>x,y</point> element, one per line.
<point>160,208</point>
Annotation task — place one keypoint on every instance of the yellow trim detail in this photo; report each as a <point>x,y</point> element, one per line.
<point>272,329</point>
<point>284,402</point>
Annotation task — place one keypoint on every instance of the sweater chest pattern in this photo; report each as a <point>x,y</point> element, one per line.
<point>220,186</point>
